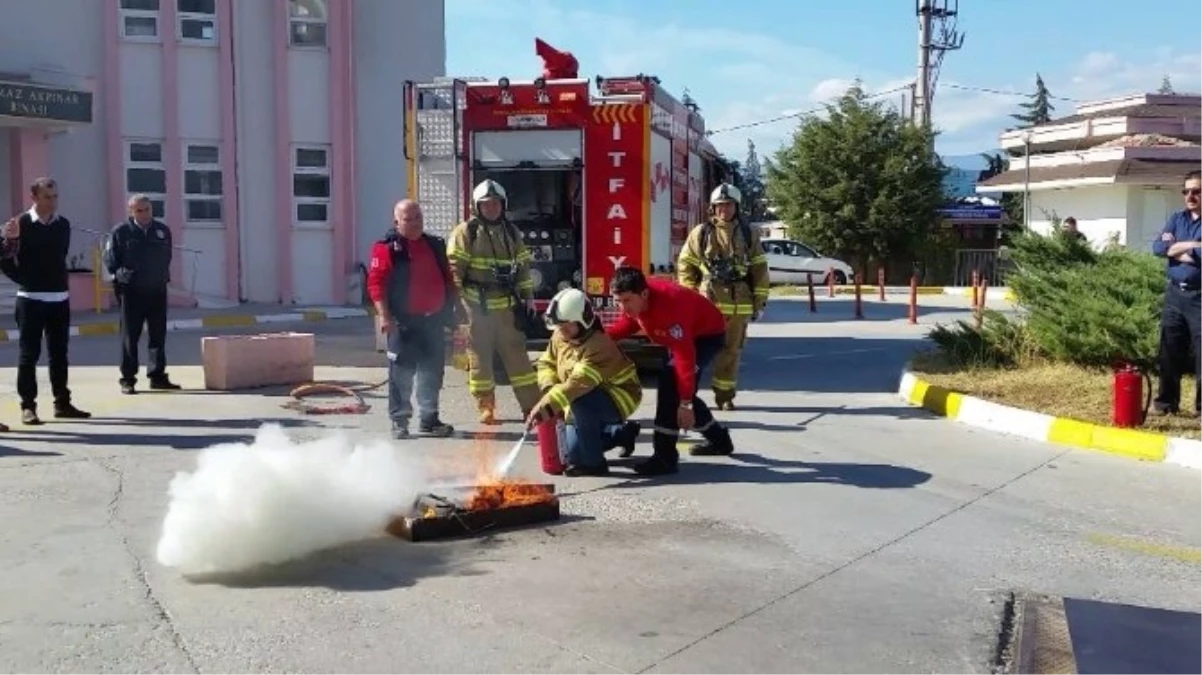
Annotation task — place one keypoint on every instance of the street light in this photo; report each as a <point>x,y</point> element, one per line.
<point>1027,181</point>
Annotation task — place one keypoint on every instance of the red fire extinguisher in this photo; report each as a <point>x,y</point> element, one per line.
<point>1131,402</point>
<point>548,446</point>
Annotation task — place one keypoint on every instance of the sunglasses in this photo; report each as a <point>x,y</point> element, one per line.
<point>1192,192</point>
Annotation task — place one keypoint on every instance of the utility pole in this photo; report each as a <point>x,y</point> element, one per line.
<point>937,35</point>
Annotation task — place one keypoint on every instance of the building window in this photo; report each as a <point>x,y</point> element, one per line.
<point>202,183</point>
<point>311,186</point>
<point>197,20</point>
<point>308,21</point>
<point>139,19</point>
<point>145,173</point>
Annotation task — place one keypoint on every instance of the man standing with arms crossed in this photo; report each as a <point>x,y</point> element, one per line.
<point>409,281</point>
<point>1182,312</point>
<point>723,260</point>
<point>35,258</point>
<point>693,331</point>
<point>137,256</point>
<point>491,267</point>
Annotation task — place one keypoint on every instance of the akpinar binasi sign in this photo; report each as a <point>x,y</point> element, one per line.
<point>617,180</point>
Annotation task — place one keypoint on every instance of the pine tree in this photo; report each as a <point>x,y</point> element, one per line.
<point>1039,108</point>
<point>861,184</point>
<point>1166,86</point>
<point>751,184</point>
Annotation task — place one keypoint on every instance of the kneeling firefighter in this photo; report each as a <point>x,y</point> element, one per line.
<point>722,258</point>
<point>491,269</point>
<point>587,379</point>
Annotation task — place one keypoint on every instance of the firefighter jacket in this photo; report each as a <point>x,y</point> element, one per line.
<point>569,369</point>
<point>724,261</point>
<point>490,264</point>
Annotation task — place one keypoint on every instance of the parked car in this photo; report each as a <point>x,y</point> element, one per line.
<point>790,261</point>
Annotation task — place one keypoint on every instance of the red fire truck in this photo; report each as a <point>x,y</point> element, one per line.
<point>595,180</point>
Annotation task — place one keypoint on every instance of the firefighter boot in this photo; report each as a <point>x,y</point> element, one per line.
<point>724,399</point>
<point>664,458</point>
<point>487,405</point>
<point>717,442</point>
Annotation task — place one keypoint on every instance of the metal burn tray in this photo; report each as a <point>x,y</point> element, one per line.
<point>437,517</point>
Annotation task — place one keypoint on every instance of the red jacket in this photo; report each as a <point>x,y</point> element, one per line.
<point>392,277</point>
<point>675,317</point>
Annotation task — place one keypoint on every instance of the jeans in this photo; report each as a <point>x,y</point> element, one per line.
<point>416,354</point>
<point>36,319</point>
<point>667,399</point>
<point>592,430</point>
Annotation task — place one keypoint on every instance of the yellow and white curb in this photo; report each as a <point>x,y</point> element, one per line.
<point>870,291</point>
<point>982,414</point>
<point>214,321</point>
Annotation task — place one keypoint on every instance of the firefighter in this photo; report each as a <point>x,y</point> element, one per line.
<point>722,259</point>
<point>584,376</point>
<point>491,270</point>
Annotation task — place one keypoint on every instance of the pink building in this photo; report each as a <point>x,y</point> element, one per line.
<point>269,133</point>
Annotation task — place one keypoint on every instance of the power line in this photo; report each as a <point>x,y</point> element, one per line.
<point>803,113</point>
<point>1003,92</point>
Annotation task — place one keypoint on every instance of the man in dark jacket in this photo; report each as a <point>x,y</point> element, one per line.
<point>138,258</point>
<point>409,281</point>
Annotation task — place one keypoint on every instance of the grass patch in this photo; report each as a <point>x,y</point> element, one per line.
<point>1057,389</point>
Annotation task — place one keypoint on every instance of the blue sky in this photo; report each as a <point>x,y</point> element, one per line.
<point>751,61</point>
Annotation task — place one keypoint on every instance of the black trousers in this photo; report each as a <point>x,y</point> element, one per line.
<point>139,307</point>
<point>667,401</point>
<point>1179,348</point>
<point>35,320</point>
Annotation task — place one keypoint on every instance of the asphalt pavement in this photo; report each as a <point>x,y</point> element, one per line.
<point>849,533</point>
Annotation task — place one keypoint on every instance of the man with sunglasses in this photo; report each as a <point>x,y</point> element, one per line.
<point>1179,242</point>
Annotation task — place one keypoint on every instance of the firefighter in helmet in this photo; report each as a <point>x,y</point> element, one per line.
<point>722,258</point>
<point>585,377</point>
<point>491,269</point>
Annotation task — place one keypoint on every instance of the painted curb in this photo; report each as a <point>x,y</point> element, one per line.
<point>975,412</point>
<point>215,321</point>
<point>867,291</point>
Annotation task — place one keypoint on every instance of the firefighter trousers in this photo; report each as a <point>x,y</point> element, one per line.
<point>494,332</point>
<point>725,380</point>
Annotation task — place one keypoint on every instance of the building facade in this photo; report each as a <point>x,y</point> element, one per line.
<point>1116,166</point>
<point>269,133</point>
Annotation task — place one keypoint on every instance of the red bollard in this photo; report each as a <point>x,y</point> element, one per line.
<point>880,282</point>
<point>914,299</point>
<point>980,311</point>
<point>976,281</point>
<point>810,289</point>
<point>830,281</point>
<point>548,447</point>
<point>859,300</point>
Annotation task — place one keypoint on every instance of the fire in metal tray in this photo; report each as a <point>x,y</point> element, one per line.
<point>477,508</point>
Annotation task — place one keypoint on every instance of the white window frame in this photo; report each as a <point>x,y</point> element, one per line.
<point>189,197</point>
<point>124,15</point>
<point>158,199</point>
<point>297,201</point>
<point>295,21</point>
<point>183,16</point>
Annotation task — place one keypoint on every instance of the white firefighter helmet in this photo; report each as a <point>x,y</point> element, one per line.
<point>570,304</point>
<point>726,193</point>
<point>489,188</point>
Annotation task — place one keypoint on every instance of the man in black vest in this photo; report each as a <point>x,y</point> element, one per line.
<point>409,281</point>
<point>138,258</point>
<point>36,246</point>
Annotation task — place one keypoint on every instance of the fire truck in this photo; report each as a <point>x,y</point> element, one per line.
<point>596,179</point>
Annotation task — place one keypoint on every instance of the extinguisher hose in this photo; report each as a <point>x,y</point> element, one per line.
<point>1143,416</point>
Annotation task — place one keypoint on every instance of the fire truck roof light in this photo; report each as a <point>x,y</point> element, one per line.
<point>540,83</point>
<point>503,82</point>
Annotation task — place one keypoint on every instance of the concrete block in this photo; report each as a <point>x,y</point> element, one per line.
<point>249,361</point>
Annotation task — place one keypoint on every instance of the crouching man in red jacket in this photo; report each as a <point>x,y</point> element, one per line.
<point>409,281</point>
<point>693,330</point>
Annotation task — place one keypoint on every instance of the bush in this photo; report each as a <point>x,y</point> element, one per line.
<point>1083,307</point>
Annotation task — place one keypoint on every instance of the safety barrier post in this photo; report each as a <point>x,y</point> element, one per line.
<point>830,282</point>
<point>810,290</point>
<point>976,282</point>
<point>913,298</point>
<point>980,311</point>
<point>880,282</point>
<point>859,300</point>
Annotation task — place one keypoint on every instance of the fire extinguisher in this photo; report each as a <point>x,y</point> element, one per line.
<point>1128,409</point>
<point>550,433</point>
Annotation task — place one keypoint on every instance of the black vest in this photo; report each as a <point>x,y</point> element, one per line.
<point>399,283</point>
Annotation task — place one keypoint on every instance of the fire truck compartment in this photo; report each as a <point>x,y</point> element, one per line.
<point>528,148</point>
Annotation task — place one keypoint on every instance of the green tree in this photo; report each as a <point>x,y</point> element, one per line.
<point>861,184</point>
<point>1012,202</point>
<point>755,207</point>
<point>1166,86</point>
<point>1039,108</point>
